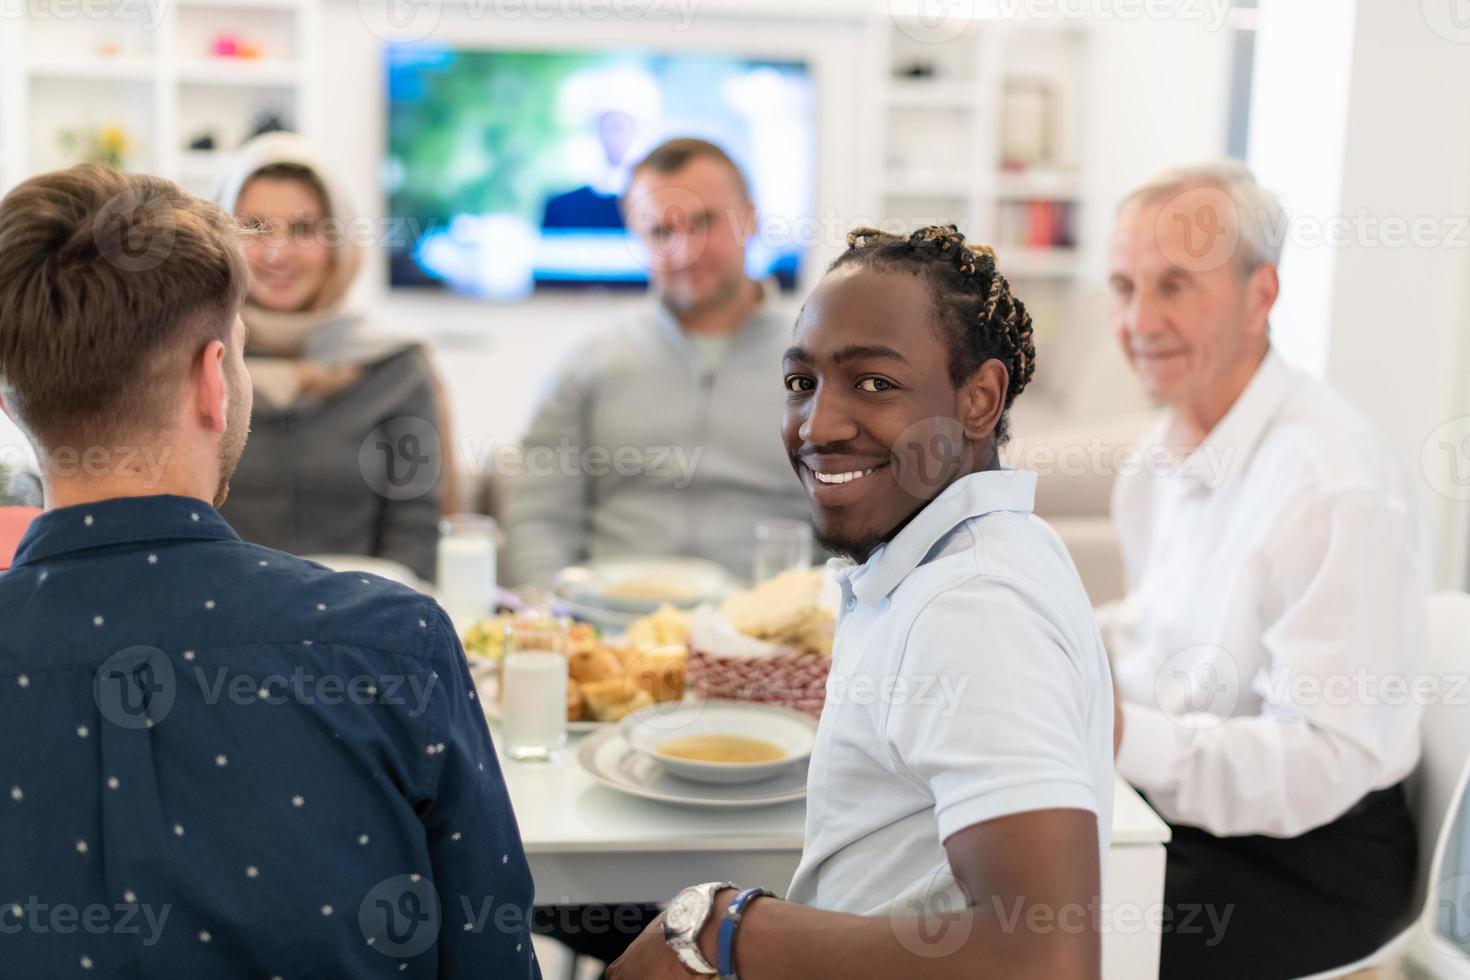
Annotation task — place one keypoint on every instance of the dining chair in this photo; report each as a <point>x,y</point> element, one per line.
<point>1438,786</point>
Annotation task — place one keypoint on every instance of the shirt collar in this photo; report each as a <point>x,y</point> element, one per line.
<point>1229,445</point>
<point>119,521</point>
<point>970,496</point>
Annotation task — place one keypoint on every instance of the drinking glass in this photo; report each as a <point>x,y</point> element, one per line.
<point>466,567</point>
<point>781,546</point>
<point>533,687</point>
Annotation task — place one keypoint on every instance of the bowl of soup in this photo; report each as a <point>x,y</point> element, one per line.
<point>721,741</point>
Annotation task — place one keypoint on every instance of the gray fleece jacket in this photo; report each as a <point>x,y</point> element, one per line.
<point>638,447</point>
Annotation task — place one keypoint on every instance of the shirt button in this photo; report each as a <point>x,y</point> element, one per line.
<point>850,604</point>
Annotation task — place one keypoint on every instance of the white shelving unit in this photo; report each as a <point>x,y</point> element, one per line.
<point>945,99</point>
<point>157,80</point>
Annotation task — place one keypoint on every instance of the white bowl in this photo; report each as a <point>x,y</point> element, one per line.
<point>682,582</point>
<point>792,731</point>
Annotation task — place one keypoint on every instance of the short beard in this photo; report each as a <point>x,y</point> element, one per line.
<point>859,550</point>
<point>237,432</point>
<point>854,550</point>
<point>723,294</point>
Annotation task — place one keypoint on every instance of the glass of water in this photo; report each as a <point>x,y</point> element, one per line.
<point>781,546</point>
<point>533,687</point>
<point>466,567</point>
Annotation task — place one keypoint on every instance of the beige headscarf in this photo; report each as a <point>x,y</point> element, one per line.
<point>310,354</point>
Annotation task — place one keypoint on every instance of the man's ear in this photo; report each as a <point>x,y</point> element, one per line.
<point>1261,290</point>
<point>983,400</point>
<point>211,392</point>
<point>749,222</point>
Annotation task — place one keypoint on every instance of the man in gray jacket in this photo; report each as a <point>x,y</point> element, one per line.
<point>661,434</point>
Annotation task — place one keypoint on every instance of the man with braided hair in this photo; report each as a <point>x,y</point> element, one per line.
<point>1278,574</point>
<point>962,770</point>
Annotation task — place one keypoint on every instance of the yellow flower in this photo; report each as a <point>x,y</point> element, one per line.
<point>112,139</point>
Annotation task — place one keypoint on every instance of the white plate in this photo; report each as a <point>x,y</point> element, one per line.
<point>789,730</point>
<point>683,582</point>
<point>608,758</point>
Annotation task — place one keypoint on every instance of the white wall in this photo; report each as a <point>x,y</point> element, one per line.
<point>1357,119</point>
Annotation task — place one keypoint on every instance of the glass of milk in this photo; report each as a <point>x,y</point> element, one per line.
<point>466,567</point>
<point>533,687</point>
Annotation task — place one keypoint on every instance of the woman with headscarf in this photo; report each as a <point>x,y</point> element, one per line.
<point>345,443</point>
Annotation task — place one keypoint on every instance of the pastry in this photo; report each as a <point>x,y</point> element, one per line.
<point>597,663</point>
<point>614,699</point>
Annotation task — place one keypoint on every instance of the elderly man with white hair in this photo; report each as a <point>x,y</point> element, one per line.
<point>1277,567</point>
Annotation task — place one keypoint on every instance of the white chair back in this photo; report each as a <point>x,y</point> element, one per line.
<point>1440,783</point>
<point>1435,792</point>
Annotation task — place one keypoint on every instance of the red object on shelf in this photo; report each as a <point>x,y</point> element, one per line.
<point>225,46</point>
<point>1038,224</point>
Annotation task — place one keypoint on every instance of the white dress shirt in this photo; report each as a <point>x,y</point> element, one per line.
<point>968,682</point>
<point>1271,652</point>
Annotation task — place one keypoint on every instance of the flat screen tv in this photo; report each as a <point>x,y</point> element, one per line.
<point>504,169</point>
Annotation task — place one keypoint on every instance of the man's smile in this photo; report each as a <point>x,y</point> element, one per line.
<point>836,480</point>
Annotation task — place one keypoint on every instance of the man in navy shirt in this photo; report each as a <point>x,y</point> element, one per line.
<point>219,760</point>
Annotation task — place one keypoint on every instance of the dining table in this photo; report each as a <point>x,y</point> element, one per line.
<point>590,844</point>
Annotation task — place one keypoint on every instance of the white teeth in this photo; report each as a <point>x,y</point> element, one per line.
<point>840,477</point>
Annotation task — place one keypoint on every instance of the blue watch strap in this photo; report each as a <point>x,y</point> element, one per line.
<point>725,954</point>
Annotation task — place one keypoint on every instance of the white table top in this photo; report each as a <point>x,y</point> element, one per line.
<point>562,810</point>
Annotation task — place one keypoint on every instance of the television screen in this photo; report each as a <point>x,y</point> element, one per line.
<point>505,168</point>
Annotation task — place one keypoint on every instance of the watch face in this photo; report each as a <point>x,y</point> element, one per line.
<point>685,912</point>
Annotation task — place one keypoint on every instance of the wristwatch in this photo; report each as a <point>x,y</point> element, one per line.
<point>683,919</point>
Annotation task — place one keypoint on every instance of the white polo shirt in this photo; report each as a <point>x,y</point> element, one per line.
<point>968,683</point>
